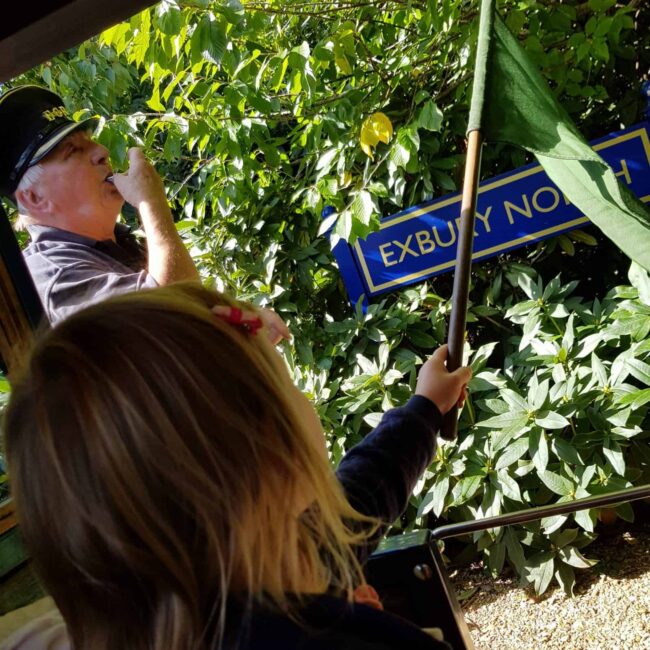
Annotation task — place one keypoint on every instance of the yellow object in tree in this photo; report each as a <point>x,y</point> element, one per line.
<point>375,129</point>
<point>343,64</point>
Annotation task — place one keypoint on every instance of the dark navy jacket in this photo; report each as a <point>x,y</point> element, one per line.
<point>378,476</point>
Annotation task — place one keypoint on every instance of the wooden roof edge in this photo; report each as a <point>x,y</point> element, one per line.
<point>54,32</point>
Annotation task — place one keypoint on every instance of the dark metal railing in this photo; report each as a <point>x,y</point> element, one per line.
<point>534,514</point>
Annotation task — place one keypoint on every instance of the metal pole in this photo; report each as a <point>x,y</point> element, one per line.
<point>533,514</point>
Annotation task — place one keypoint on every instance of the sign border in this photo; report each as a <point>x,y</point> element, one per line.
<point>504,179</point>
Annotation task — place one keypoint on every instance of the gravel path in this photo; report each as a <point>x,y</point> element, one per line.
<point>611,609</point>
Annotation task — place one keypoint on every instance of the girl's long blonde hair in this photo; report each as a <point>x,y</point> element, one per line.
<point>154,457</point>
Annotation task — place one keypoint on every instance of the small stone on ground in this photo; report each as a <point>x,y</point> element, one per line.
<point>610,610</point>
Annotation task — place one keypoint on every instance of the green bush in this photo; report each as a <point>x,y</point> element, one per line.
<point>560,416</point>
<point>254,112</point>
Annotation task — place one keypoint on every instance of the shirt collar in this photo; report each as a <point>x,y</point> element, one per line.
<point>39,233</point>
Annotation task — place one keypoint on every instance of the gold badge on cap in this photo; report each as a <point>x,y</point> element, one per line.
<point>53,113</point>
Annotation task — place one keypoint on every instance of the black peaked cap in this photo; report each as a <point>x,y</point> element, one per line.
<point>33,121</point>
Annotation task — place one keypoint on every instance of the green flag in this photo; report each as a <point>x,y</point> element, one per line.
<point>511,102</point>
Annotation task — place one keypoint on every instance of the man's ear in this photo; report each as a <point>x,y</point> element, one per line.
<point>33,202</point>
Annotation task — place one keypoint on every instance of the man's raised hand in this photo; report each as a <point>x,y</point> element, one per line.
<point>140,185</point>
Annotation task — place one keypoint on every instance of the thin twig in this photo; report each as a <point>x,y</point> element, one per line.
<point>191,175</point>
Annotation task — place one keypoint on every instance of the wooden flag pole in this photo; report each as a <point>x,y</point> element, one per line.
<point>462,271</point>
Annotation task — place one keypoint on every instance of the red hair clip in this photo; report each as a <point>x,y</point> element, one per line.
<point>248,322</point>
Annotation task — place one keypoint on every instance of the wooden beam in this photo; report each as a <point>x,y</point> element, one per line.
<point>48,32</point>
<point>8,523</point>
<point>26,13</point>
<point>15,332</point>
<point>21,313</point>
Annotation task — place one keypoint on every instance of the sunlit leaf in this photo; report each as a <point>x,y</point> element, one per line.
<point>376,128</point>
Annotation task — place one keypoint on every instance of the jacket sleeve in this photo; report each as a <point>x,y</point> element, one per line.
<point>379,474</point>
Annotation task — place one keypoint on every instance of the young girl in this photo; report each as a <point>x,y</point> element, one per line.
<point>174,490</point>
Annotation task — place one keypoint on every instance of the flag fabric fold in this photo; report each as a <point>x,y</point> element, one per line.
<point>512,103</point>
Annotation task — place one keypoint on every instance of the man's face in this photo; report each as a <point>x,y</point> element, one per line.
<point>74,181</point>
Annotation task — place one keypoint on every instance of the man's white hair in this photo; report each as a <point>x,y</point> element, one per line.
<point>30,178</point>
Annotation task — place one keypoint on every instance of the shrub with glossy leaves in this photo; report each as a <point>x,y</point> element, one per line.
<point>260,114</point>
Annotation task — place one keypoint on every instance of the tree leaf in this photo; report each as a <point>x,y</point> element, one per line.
<point>567,536</point>
<point>612,451</point>
<point>496,556</point>
<point>430,117</point>
<point>636,399</point>
<point>505,420</point>
<point>435,498</point>
<point>640,281</point>
<point>212,39</point>
<point>572,556</point>
<point>552,524</point>
<point>326,159</point>
<point>363,207</point>
<point>465,489</point>
<point>544,574</point>
<point>639,370</point>
<point>569,335</point>
<point>512,453</point>
<point>376,128</point>
<point>538,449</point>
<point>538,396</point>
<point>600,373</point>
<point>556,483</point>
<point>585,519</point>
<point>551,420</point>
<point>392,376</point>
<point>515,400</point>
<point>509,486</point>
<point>566,451</point>
<point>372,419</point>
<point>566,577</point>
<point>154,102</point>
<point>515,549</point>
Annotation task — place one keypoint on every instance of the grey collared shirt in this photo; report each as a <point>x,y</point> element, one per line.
<point>71,271</point>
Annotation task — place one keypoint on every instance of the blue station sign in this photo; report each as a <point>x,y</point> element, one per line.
<point>514,209</point>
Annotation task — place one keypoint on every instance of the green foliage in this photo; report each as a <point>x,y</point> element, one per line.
<point>253,112</point>
<point>564,417</point>
<point>258,107</point>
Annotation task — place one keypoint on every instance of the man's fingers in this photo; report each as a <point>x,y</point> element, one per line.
<point>278,329</point>
<point>273,335</point>
<point>136,156</point>
<point>283,330</point>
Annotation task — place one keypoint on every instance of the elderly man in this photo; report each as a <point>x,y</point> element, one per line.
<point>69,199</point>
